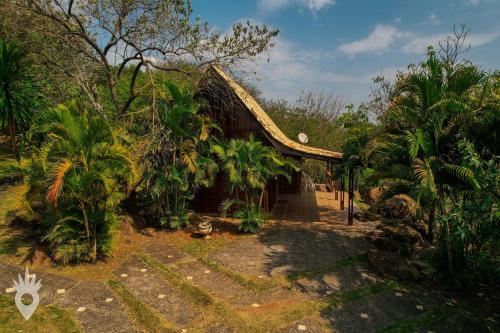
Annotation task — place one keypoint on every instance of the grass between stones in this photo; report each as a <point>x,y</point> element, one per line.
<point>359,259</point>
<point>200,250</point>
<point>193,292</point>
<point>47,318</point>
<point>217,312</point>
<point>358,293</point>
<point>416,323</point>
<point>144,316</point>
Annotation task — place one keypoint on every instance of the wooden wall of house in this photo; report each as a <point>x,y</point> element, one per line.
<point>236,122</point>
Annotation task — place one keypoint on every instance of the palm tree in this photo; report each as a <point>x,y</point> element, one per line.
<point>416,151</point>
<point>89,169</point>
<point>17,92</point>
<point>180,161</point>
<point>249,165</point>
<point>87,172</point>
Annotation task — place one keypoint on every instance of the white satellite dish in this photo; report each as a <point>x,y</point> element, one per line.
<point>303,138</point>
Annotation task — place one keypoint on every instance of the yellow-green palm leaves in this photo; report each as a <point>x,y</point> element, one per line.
<point>417,148</point>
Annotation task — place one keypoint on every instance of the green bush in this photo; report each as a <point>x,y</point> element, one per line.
<point>252,219</point>
<point>469,245</point>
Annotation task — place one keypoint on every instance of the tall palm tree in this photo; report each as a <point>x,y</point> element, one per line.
<point>416,151</point>
<point>17,92</point>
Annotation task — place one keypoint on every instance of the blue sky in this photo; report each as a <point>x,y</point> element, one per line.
<point>337,46</point>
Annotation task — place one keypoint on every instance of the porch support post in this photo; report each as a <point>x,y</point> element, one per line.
<point>342,188</point>
<point>335,185</point>
<point>350,200</point>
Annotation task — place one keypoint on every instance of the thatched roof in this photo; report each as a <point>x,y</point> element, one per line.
<point>273,132</point>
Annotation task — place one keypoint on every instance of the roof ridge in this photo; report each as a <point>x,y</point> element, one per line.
<point>268,124</point>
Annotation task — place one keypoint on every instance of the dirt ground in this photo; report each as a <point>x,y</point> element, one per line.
<point>305,272</point>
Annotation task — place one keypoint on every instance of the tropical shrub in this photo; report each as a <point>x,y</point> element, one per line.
<point>249,165</point>
<point>416,149</point>
<point>86,172</point>
<point>425,148</point>
<point>179,159</point>
<point>468,248</point>
<point>252,218</point>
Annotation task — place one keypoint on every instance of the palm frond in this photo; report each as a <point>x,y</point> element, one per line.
<point>57,180</point>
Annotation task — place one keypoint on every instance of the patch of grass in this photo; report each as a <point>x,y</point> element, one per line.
<point>419,322</point>
<point>14,244</point>
<point>361,205</point>
<point>359,259</point>
<point>47,318</point>
<point>358,293</point>
<point>11,199</point>
<point>203,247</point>
<point>200,249</point>
<point>147,318</point>
<point>272,322</point>
<point>247,282</point>
<point>196,294</point>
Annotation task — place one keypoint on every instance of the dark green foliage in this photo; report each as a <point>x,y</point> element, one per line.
<point>252,219</point>
<point>473,224</point>
<point>18,92</point>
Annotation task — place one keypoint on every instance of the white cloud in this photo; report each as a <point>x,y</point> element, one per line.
<point>291,69</point>
<point>378,40</point>
<point>433,20</point>
<point>312,5</point>
<point>481,39</point>
<point>420,44</point>
<point>472,2</point>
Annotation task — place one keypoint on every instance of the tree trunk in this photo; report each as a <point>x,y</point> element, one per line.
<point>432,218</point>
<point>448,236</point>
<point>86,222</point>
<point>94,246</point>
<point>114,94</point>
<point>448,248</point>
<point>12,135</point>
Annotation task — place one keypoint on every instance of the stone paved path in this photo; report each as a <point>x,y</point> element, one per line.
<point>304,273</point>
<point>99,316</point>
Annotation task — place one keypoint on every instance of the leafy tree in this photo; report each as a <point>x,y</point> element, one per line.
<point>109,36</point>
<point>18,93</point>
<point>249,165</point>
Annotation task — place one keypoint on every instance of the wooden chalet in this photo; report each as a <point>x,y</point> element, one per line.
<point>239,115</point>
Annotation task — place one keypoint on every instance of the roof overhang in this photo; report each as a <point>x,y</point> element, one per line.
<point>279,140</point>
